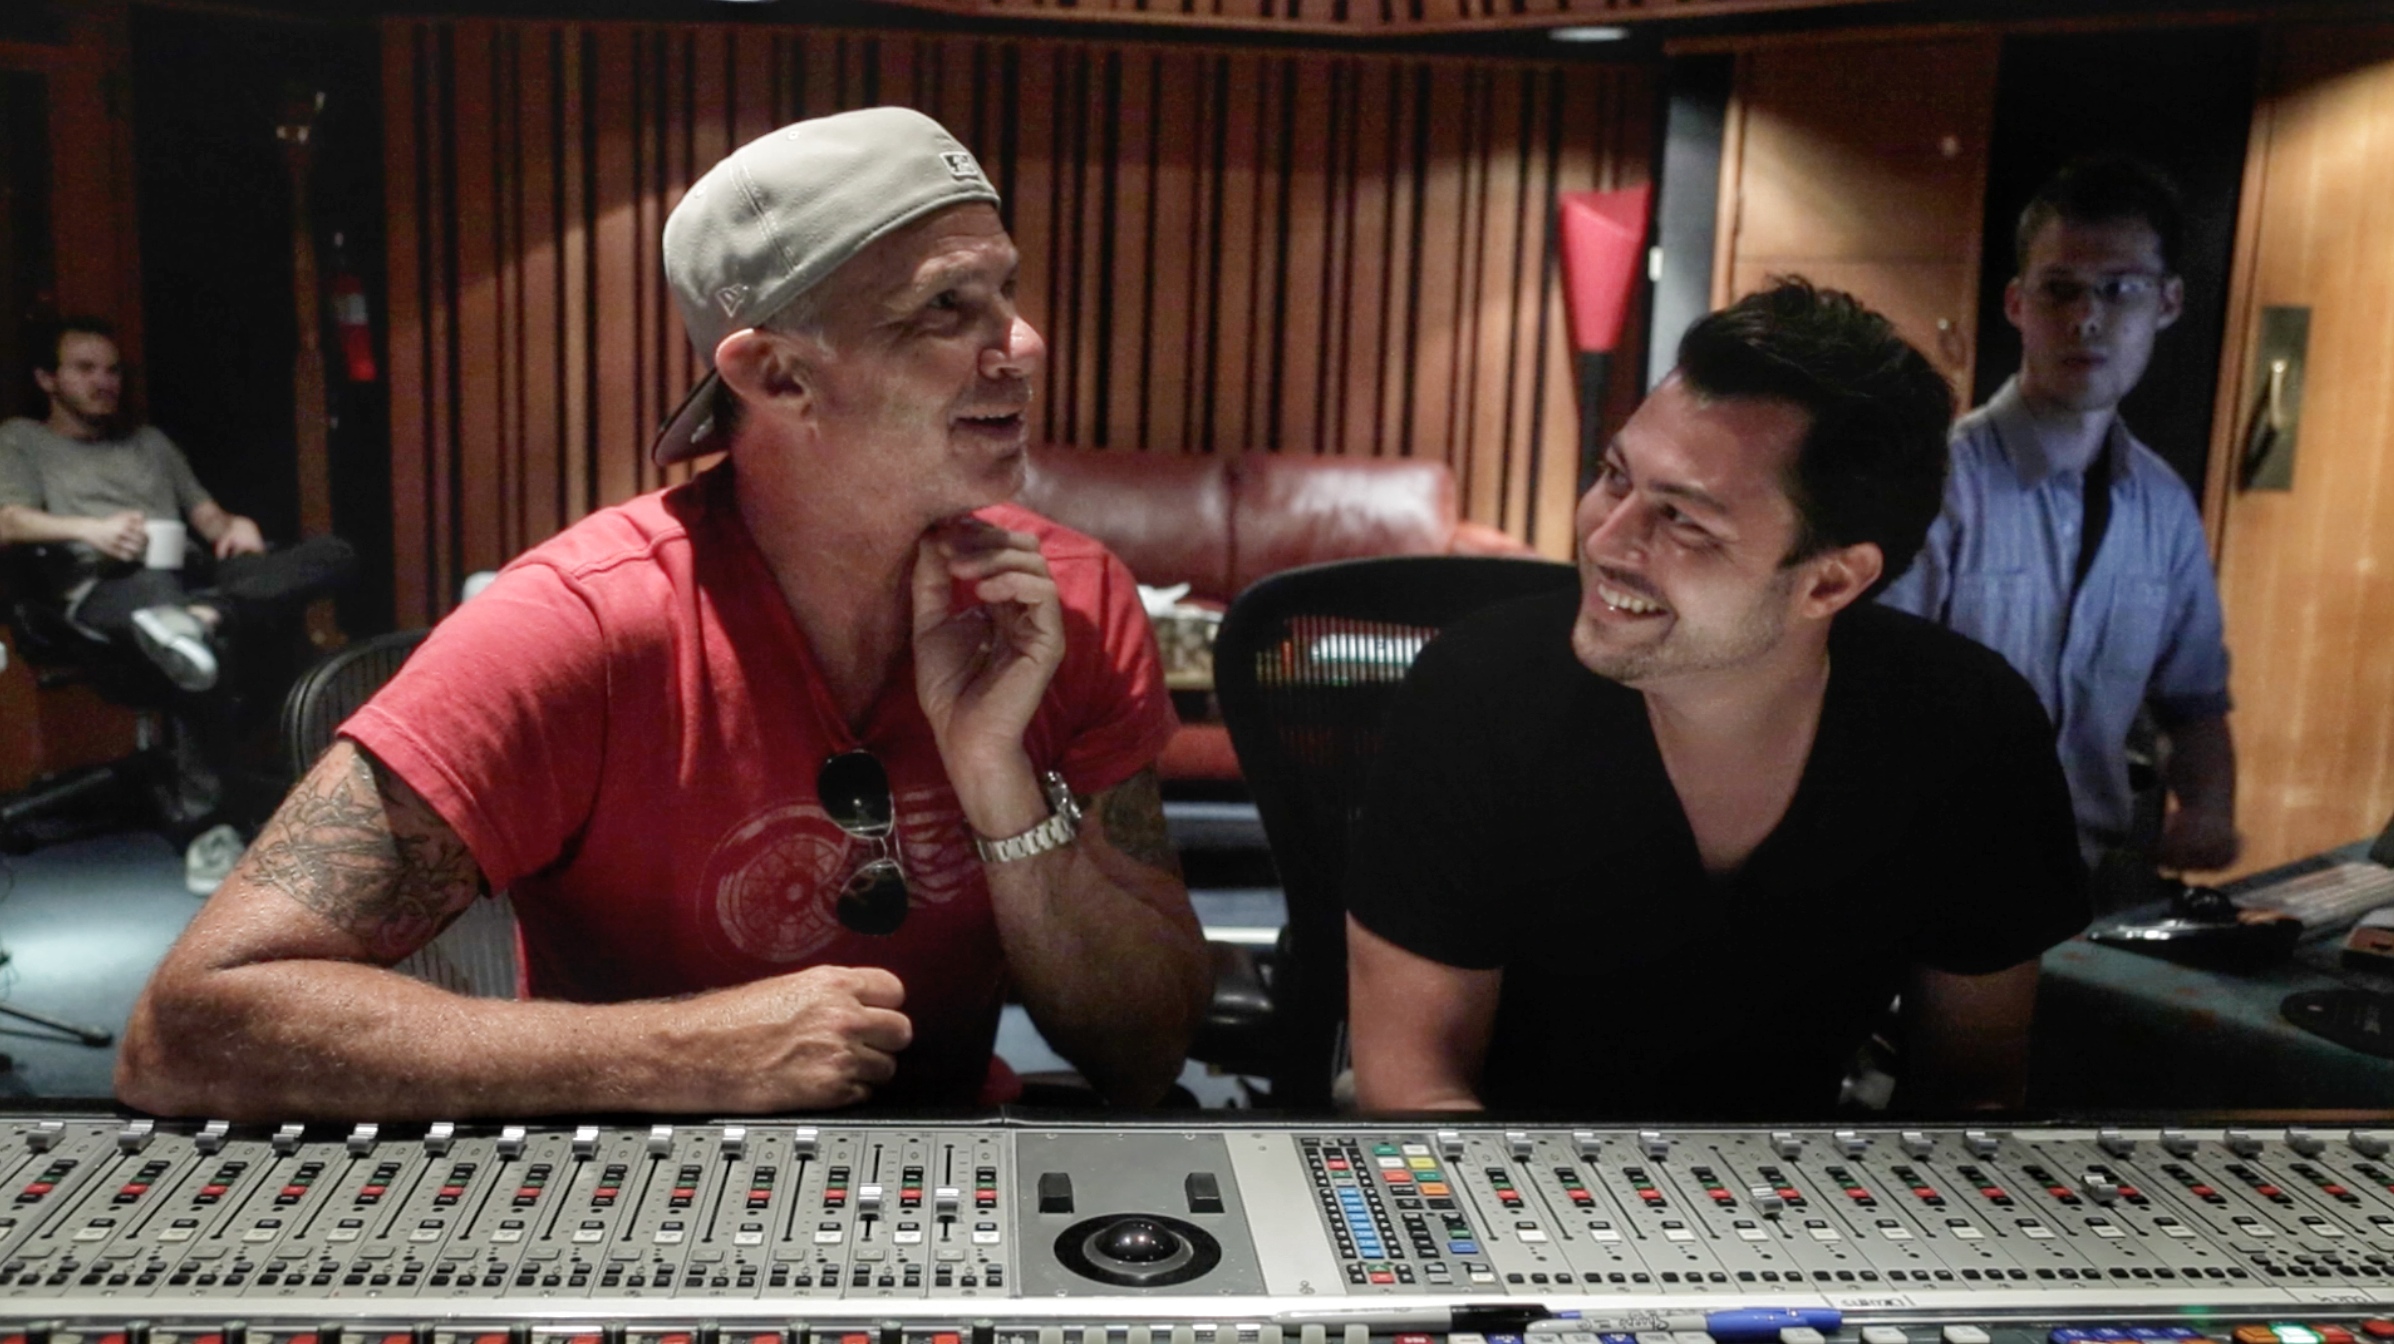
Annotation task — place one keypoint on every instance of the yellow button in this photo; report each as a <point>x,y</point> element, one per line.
<point>2255,1334</point>
<point>1423,1163</point>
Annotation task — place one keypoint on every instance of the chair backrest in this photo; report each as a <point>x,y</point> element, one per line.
<point>478,953</point>
<point>333,690</point>
<point>1305,667</point>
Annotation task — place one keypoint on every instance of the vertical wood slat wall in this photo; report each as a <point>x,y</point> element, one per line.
<point>1227,251</point>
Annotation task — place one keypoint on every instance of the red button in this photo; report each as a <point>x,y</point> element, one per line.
<point>39,1188</point>
<point>1383,1276</point>
<point>410,1339</point>
<point>2333,1334</point>
<point>294,1191</point>
<point>946,1337</point>
<point>2378,1327</point>
<point>307,1338</point>
<point>677,1337</point>
<point>493,1338</point>
<point>1414,1339</point>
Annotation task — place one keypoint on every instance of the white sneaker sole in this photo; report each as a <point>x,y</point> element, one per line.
<point>185,658</point>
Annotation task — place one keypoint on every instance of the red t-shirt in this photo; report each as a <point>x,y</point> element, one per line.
<point>625,729</point>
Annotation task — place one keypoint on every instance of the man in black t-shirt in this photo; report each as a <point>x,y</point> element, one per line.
<point>1668,847</point>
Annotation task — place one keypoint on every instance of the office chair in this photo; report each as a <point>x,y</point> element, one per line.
<point>132,789</point>
<point>1305,667</point>
<point>476,955</point>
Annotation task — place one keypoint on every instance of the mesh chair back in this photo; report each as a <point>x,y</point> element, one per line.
<point>477,954</point>
<point>1305,666</point>
<point>333,689</point>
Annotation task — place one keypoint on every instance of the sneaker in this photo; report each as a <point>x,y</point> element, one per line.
<point>210,858</point>
<point>175,640</point>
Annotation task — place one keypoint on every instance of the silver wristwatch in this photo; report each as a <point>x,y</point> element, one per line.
<point>1056,832</point>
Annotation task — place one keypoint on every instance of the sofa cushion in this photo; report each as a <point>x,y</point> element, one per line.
<point>1298,509</point>
<point>1166,515</point>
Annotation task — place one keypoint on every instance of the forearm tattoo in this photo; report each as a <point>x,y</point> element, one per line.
<point>1133,813</point>
<point>356,845</point>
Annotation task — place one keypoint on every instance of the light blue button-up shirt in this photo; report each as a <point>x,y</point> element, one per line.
<point>2145,627</point>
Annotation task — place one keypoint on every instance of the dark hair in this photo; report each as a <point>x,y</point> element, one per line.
<point>51,334</point>
<point>2103,191</point>
<point>1872,463</point>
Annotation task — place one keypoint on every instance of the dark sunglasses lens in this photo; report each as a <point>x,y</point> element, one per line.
<point>875,901</point>
<point>855,793</point>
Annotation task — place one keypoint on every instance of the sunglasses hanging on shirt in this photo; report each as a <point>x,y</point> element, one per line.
<point>855,793</point>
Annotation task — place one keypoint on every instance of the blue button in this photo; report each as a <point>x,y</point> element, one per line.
<point>2065,1335</point>
<point>1473,1248</point>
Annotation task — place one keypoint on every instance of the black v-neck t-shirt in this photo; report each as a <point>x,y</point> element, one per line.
<point>1520,817</point>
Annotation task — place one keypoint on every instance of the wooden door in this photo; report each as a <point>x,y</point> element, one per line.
<point>2307,574</point>
<point>1862,166</point>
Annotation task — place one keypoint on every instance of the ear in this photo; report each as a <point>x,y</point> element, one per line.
<point>2015,302</point>
<point>46,381</point>
<point>2173,303</point>
<point>763,370</point>
<point>1838,578</point>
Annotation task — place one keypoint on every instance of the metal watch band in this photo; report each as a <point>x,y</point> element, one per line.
<point>1059,830</point>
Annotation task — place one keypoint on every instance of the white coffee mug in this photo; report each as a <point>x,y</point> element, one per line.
<point>168,536</point>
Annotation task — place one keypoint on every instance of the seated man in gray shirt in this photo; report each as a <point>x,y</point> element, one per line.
<point>94,487</point>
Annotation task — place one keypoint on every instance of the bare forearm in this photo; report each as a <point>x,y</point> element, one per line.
<point>308,1039</point>
<point>1966,1039</point>
<point>2203,765</point>
<point>22,526</point>
<point>1116,984</point>
<point>210,520</point>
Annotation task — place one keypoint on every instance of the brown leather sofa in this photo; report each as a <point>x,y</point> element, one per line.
<point>1220,521</point>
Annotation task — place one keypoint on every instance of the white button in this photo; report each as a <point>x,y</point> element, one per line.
<point>1799,1334</point>
<point>1884,1334</point>
<point>1965,1334</point>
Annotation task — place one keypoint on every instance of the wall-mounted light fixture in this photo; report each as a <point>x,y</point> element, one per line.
<point>1588,32</point>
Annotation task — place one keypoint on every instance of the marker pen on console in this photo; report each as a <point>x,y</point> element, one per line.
<point>1738,1323</point>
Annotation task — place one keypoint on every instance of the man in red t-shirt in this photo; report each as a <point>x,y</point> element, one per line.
<point>783,767</point>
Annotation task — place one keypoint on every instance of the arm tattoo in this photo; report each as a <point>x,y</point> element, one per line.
<point>356,845</point>
<point>1133,813</point>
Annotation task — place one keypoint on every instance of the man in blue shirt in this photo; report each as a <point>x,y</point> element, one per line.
<point>2071,548</point>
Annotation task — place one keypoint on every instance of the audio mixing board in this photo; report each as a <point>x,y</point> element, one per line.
<point>129,1231</point>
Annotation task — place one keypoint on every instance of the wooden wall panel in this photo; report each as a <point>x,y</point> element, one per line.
<point>2307,574</point>
<point>1228,251</point>
<point>1862,165</point>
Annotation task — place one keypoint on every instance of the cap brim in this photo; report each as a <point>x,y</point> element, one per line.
<point>686,431</point>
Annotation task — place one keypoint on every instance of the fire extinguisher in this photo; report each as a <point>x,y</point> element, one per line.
<point>351,317</point>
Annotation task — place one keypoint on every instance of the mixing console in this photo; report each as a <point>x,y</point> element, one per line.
<point>117,1231</point>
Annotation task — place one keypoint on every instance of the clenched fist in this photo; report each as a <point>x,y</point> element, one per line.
<point>812,1039</point>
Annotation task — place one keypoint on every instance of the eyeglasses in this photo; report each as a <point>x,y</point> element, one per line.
<point>2112,291</point>
<point>854,790</point>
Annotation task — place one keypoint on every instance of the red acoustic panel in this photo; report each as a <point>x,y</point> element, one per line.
<point>1604,233</point>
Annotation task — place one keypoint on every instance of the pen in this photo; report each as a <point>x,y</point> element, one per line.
<point>1739,1323</point>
